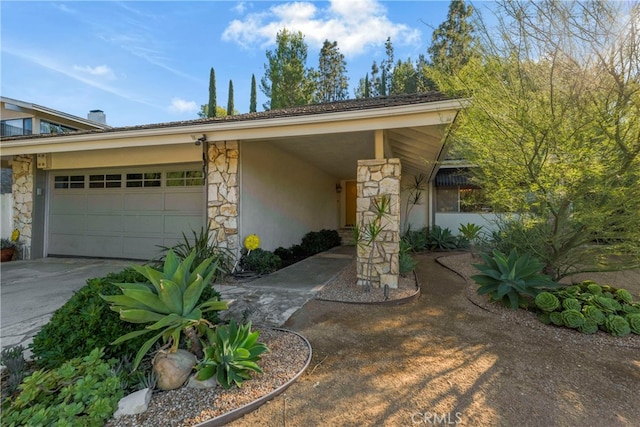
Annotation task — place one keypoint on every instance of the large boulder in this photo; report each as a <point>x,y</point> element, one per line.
<point>173,369</point>
<point>135,403</point>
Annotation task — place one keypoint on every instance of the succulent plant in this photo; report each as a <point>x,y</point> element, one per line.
<point>617,326</point>
<point>588,327</point>
<point>169,302</point>
<point>594,288</point>
<point>572,318</point>
<point>509,279</point>
<point>556,318</point>
<point>571,304</point>
<point>624,295</point>
<point>607,305</point>
<point>546,301</point>
<point>545,317</point>
<point>593,313</point>
<point>234,353</point>
<point>631,308</point>
<point>634,322</point>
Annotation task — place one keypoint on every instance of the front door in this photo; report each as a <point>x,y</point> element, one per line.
<point>350,203</point>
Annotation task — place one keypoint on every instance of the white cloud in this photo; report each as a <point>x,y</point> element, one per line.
<point>100,70</point>
<point>240,8</point>
<point>355,24</point>
<point>182,106</point>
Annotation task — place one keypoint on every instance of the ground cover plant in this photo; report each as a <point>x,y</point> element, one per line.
<point>589,307</point>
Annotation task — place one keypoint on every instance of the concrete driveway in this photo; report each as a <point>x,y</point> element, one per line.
<point>30,291</point>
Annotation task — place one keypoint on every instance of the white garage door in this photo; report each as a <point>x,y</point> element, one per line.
<point>124,213</point>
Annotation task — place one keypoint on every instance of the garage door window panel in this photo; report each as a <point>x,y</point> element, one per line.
<point>185,178</point>
<point>145,179</point>
<point>105,181</point>
<point>68,181</point>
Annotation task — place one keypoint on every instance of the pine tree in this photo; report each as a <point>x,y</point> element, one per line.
<point>211,110</point>
<point>332,82</point>
<point>453,41</point>
<point>286,81</point>
<point>230,101</point>
<point>253,101</point>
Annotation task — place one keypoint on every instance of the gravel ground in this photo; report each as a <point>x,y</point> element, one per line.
<point>630,280</point>
<point>187,407</point>
<point>344,288</point>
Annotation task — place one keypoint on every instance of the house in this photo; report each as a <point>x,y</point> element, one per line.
<point>122,192</point>
<point>19,118</point>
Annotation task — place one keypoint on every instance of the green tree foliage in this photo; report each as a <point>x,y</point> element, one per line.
<point>204,111</point>
<point>454,40</point>
<point>211,110</point>
<point>286,81</point>
<point>553,127</point>
<point>332,82</point>
<point>404,78</point>
<point>253,102</point>
<point>230,109</point>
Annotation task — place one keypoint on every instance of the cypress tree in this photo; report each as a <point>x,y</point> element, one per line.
<point>211,108</point>
<point>253,102</point>
<point>230,101</point>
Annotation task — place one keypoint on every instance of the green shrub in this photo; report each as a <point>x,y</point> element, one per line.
<point>572,318</point>
<point>511,279</point>
<point>617,326</point>
<point>234,353</point>
<point>81,392</point>
<point>319,241</point>
<point>261,261</point>
<point>546,301</point>
<point>284,253</point>
<point>85,322</point>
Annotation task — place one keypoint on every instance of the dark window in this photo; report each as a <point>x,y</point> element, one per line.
<point>185,178</point>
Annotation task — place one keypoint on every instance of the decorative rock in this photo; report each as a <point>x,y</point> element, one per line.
<point>135,403</point>
<point>173,369</point>
<point>197,384</point>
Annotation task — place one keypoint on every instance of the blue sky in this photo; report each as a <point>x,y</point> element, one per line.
<point>148,62</point>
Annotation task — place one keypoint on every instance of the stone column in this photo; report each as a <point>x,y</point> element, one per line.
<point>223,192</point>
<point>377,179</point>
<point>22,192</point>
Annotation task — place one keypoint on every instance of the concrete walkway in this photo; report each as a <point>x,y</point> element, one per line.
<point>30,291</point>
<point>270,300</point>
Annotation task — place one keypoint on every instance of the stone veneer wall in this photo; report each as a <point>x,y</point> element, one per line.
<point>22,189</point>
<point>223,192</point>
<point>377,178</point>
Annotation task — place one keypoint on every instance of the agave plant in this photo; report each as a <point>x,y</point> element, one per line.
<point>167,302</point>
<point>510,279</point>
<point>233,355</point>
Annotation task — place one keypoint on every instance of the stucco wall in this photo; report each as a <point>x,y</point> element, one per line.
<point>283,197</point>
<point>453,220</point>
<point>419,213</point>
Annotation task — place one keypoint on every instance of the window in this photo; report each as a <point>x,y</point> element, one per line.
<point>461,199</point>
<point>16,127</point>
<point>68,181</point>
<point>105,181</point>
<point>148,179</point>
<point>185,178</point>
<point>49,127</point>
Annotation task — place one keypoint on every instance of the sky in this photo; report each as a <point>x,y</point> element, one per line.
<point>148,62</point>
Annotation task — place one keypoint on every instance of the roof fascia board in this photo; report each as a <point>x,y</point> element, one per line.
<point>437,113</point>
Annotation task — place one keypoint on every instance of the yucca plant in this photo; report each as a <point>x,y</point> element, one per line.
<point>511,279</point>
<point>234,353</point>
<point>168,302</point>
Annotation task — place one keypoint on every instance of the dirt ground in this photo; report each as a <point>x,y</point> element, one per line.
<point>442,360</point>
